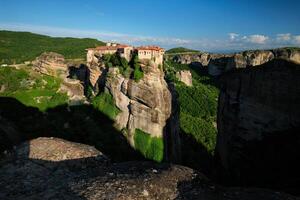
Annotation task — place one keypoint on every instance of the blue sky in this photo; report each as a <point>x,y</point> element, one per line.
<point>218,25</point>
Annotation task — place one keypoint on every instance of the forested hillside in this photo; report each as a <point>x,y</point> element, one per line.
<point>198,113</point>
<point>181,50</point>
<point>17,47</point>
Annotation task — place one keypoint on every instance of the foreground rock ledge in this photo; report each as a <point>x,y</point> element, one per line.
<point>51,168</point>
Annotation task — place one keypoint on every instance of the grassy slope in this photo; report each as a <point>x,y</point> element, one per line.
<point>17,47</point>
<point>30,88</point>
<point>181,50</point>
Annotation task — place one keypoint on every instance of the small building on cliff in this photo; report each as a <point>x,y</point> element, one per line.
<point>154,53</point>
<point>123,50</point>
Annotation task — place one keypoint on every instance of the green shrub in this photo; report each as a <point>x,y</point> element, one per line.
<point>106,58</point>
<point>11,78</point>
<point>198,101</point>
<point>114,60</point>
<point>106,104</point>
<point>135,64</point>
<point>138,74</point>
<point>202,130</point>
<point>89,92</point>
<point>151,147</point>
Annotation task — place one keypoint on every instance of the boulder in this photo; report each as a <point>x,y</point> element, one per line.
<point>74,89</point>
<point>52,64</point>
<point>56,150</point>
<point>185,76</point>
<point>259,125</point>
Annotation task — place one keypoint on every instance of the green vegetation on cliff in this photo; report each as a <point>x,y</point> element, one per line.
<point>32,89</point>
<point>129,70</point>
<point>105,103</point>
<point>151,147</point>
<point>198,104</point>
<point>114,60</point>
<point>138,73</point>
<point>17,47</point>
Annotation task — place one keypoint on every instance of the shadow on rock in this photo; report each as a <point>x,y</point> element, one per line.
<point>53,168</point>
<point>81,124</point>
<point>195,155</point>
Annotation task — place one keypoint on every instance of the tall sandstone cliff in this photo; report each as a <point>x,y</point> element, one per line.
<point>145,105</point>
<point>258,138</point>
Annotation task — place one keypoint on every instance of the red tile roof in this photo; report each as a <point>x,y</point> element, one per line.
<point>152,48</point>
<point>103,48</point>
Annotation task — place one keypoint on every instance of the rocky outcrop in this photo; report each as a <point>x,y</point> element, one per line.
<point>73,81</point>
<point>52,64</point>
<point>201,58</point>
<point>291,54</point>
<point>219,63</point>
<point>259,124</point>
<point>97,70</point>
<point>248,58</point>
<point>145,104</point>
<point>252,59</point>
<point>185,76</point>
<point>222,63</point>
<point>51,168</point>
<point>74,89</point>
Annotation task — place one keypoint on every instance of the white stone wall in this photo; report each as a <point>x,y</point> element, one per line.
<point>156,56</point>
<point>144,54</point>
<point>127,53</point>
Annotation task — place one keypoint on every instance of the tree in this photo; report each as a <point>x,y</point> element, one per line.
<point>138,73</point>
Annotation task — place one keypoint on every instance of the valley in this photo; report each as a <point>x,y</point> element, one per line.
<point>176,124</point>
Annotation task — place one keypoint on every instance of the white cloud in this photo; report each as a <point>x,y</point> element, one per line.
<point>283,37</point>
<point>233,36</point>
<point>297,39</point>
<point>101,35</point>
<point>235,41</point>
<point>257,39</point>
